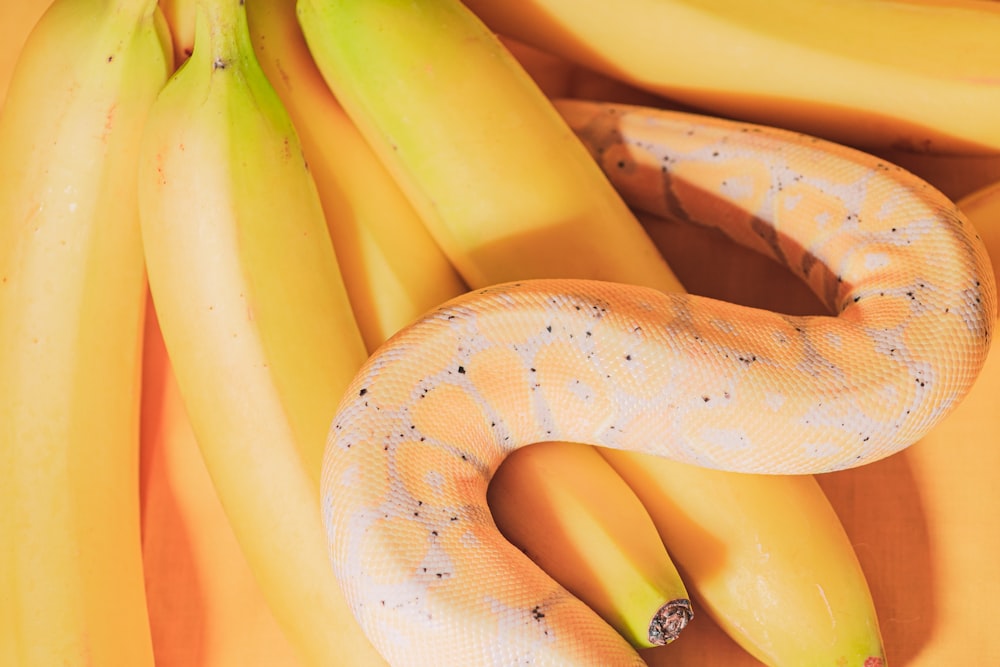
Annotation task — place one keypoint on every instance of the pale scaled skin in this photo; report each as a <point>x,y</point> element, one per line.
<point>437,409</point>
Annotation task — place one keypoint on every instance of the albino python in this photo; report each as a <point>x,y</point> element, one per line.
<point>435,411</point>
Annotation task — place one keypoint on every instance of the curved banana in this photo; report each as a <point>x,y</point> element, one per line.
<point>569,511</point>
<point>779,575</point>
<point>914,75</point>
<point>472,140</point>
<point>19,18</point>
<point>72,295</point>
<point>205,607</point>
<point>392,268</point>
<point>254,315</point>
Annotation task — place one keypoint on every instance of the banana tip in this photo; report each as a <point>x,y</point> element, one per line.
<point>669,620</point>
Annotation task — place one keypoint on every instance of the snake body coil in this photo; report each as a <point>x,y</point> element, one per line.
<point>436,410</point>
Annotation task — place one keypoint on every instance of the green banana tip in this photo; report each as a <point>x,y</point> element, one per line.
<point>669,620</point>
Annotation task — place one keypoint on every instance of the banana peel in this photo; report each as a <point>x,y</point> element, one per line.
<point>205,608</point>
<point>18,20</point>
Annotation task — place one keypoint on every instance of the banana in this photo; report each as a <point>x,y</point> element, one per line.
<point>768,559</point>
<point>473,141</point>
<point>205,607</point>
<point>18,18</point>
<point>766,555</point>
<point>920,76</point>
<point>72,295</point>
<point>180,17</point>
<point>254,315</point>
<point>476,200</point>
<point>573,498</point>
<point>392,268</point>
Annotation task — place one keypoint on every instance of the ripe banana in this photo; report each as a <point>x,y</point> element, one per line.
<point>914,75</point>
<point>779,574</point>
<point>72,295</point>
<point>254,316</point>
<point>767,556</point>
<point>574,498</point>
<point>205,607</point>
<point>18,18</point>
<point>473,142</point>
<point>476,197</point>
<point>180,17</point>
<point>392,268</point>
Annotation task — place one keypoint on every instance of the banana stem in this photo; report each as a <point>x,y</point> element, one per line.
<point>222,26</point>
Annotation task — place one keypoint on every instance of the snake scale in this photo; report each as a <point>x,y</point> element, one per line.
<point>435,411</point>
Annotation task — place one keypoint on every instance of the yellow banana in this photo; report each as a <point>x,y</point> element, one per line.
<point>72,295</point>
<point>766,555</point>
<point>180,18</point>
<point>18,18</point>
<point>533,175</point>
<point>914,75</point>
<point>778,574</point>
<point>476,146</point>
<point>254,316</point>
<point>574,498</point>
<point>205,607</point>
<point>392,268</point>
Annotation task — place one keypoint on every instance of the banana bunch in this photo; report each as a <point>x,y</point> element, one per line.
<point>249,296</point>
<point>311,179</point>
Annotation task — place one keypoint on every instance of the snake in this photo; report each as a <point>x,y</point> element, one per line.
<point>434,411</point>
